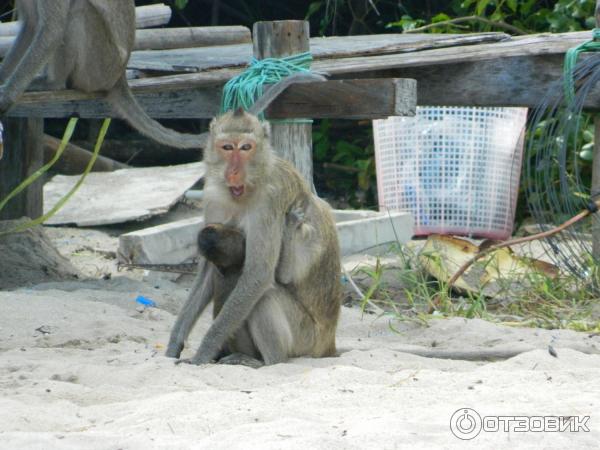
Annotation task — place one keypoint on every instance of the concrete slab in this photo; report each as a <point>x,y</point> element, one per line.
<point>124,195</point>
<point>367,234</point>
<point>171,243</point>
<point>174,243</point>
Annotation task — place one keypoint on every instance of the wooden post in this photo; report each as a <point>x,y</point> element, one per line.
<point>23,155</point>
<point>291,141</point>
<point>595,188</point>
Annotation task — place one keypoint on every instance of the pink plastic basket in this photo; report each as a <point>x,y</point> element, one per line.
<point>455,169</point>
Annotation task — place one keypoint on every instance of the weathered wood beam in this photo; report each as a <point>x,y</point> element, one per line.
<point>145,17</point>
<point>291,141</point>
<point>516,81</point>
<point>23,155</point>
<point>173,38</point>
<point>75,159</point>
<point>152,15</point>
<point>367,99</point>
<point>169,38</point>
<point>348,99</point>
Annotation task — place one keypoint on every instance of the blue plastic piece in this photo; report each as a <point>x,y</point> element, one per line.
<point>145,301</point>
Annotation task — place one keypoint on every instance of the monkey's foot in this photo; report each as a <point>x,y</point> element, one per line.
<point>184,361</point>
<point>174,350</point>
<point>240,359</point>
<point>192,361</point>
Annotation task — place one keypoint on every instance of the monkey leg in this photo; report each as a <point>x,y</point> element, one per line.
<point>17,50</point>
<point>200,296</point>
<point>47,38</point>
<point>278,328</point>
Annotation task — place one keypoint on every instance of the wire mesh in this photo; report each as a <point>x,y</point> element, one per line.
<point>557,180</point>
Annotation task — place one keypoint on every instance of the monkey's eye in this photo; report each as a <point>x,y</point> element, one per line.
<point>246,147</point>
<point>227,147</point>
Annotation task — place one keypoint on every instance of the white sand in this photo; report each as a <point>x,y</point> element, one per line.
<point>94,377</point>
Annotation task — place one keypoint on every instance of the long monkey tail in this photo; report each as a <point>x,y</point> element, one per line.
<point>129,109</point>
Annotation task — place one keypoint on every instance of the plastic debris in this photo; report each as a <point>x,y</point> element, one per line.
<point>145,301</point>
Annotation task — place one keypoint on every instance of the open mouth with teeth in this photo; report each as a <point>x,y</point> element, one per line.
<point>236,191</point>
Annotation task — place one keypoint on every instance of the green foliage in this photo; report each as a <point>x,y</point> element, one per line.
<point>406,292</point>
<point>527,15</point>
<point>181,4</point>
<point>345,163</point>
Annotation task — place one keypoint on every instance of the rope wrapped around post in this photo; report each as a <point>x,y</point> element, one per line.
<point>244,89</point>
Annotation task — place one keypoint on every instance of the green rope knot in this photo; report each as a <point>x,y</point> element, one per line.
<point>244,89</point>
<point>571,60</point>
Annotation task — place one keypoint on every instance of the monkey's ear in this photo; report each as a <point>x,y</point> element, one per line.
<point>212,124</point>
<point>266,126</point>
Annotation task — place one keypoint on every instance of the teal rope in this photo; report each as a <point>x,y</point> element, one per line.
<point>571,59</point>
<point>243,90</point>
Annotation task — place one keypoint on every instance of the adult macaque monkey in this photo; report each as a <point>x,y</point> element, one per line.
<point>286,300</point>
<point>84,45</point>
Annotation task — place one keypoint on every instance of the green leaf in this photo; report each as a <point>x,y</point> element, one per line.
<point>481,7</point>
<point>313,8</point>
<point>586,155</point>
<point>406,23</point>
<point>526,6</point>
<point>180,4</point>
<point>440,18</point>
<point>512,4</point>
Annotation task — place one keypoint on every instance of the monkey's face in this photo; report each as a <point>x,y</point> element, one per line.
<point>240,153</point>
<point>237,152</point>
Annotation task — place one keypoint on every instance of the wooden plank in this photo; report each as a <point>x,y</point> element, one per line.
<point>488,74</point>
<point>347,99</point>
<point>493,82</point>
<point>75,159</point>
<point>540,44</point>
<point>516,81</point>
<point>534,45</point>
<point>152,15</point>
<point>506,81</point>
<point>368,99</point>
<point>145,17</point>
<point>231,56</point>
<point>23,155</point>
<point>170,38</point>
<point>173,38</point>
<point>382,44</point>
